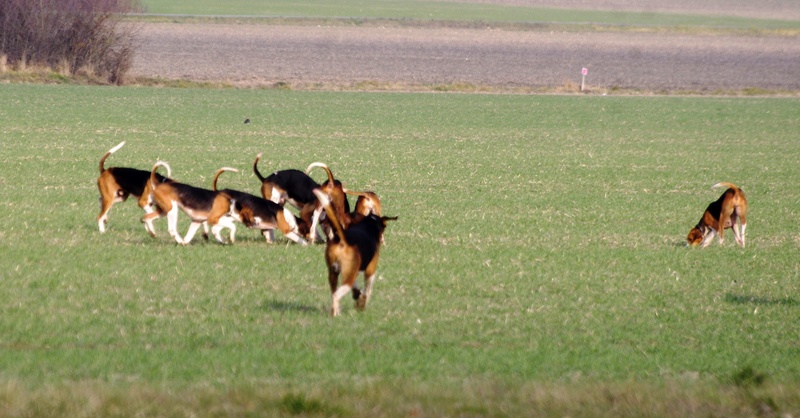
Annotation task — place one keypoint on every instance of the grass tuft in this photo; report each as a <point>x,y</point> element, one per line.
<point>299,405</point>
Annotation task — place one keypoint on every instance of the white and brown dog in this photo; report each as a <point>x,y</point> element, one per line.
<point>258,213</point>
<point>719,215</point>
<point>117,183</point>
<point>201,205</point>
<point>296,188</point>
<point>351,251</point>
<point>367,204</point>
<point>335,191</point>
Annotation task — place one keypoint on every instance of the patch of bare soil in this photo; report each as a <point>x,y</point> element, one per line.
<point>409,57</point>
<point>762,9</point>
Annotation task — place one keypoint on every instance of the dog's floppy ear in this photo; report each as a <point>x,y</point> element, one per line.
<point>246,214</point>
<point>695,237</point>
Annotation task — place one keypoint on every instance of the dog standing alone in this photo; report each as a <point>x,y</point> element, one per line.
<point>719,215</point>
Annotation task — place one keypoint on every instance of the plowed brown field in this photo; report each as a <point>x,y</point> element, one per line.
<point>493,59</point>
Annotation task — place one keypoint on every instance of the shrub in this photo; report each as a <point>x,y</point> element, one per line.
<point>81,35</point>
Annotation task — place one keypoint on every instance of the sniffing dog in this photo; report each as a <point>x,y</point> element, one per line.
<point>258,213</point>
<point>335,191</point>
<point>117,183</point>
<point>201,205</point>
<point>351,251</point>
<point>719,215</point>
<point>296,188</point>
<point>366,204</point>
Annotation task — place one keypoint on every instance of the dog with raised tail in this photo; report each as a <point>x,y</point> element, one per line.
<point>335,191</point>
<point>726,212</point>
<point>201,205</point>
<point>366,204</point>
<point>352,250</point>
<point>258,213</point>
<point>296,188</point>
<point>117,183</point>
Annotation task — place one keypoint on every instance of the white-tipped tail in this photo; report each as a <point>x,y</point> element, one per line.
<point>724,184</point>
<point>166,166</point>
<point>159,163</point>
<point>218,173</point>
<point>323,198</point>
<point>115,149</point>
<point>315,164</point>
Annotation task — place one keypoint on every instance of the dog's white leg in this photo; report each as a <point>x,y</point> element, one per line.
<point>148,225</point>
<point>294,236</point>
<point>276,196</point>
<point>269,234</point>
<point>340,292</point>
<point>708,238</point>
<point>172,224</point>
<point>737,234</point>
<point>216,230</point>
<point>103,218</point>
<point>361,303</point>
<point>232,228</point>
<point>225,222</point>
<point>190,233</point>
<point>743,226</point>
<point>313,233</point>
<point>205,230</point>
<point>368,283</point>
<point>101,223</point>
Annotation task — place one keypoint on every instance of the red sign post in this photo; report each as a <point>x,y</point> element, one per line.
<point>584,72</point>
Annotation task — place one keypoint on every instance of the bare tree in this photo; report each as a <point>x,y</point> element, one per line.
<point>81,35</point>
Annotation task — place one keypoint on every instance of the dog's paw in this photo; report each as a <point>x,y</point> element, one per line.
<point>361,302</point>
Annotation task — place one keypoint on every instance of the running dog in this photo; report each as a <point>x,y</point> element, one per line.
<point>719,215</point>
<point>117,183</point>
<point>201,205</point>
<point>257,213</point>
<point>351,251</point>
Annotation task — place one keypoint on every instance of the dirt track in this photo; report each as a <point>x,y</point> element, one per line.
<point>342,56</point>
<point>763,9</point>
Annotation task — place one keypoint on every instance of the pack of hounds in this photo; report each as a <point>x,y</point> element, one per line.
<point>353,238</point>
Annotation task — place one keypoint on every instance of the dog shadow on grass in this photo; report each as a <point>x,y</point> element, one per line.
<point>759,300</point>
<point>283,306</point>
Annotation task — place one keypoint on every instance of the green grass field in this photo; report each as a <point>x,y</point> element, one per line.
<point>424,10</point>
<point>537,266</point>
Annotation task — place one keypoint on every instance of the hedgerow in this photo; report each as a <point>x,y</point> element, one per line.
<point>68,35</point>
